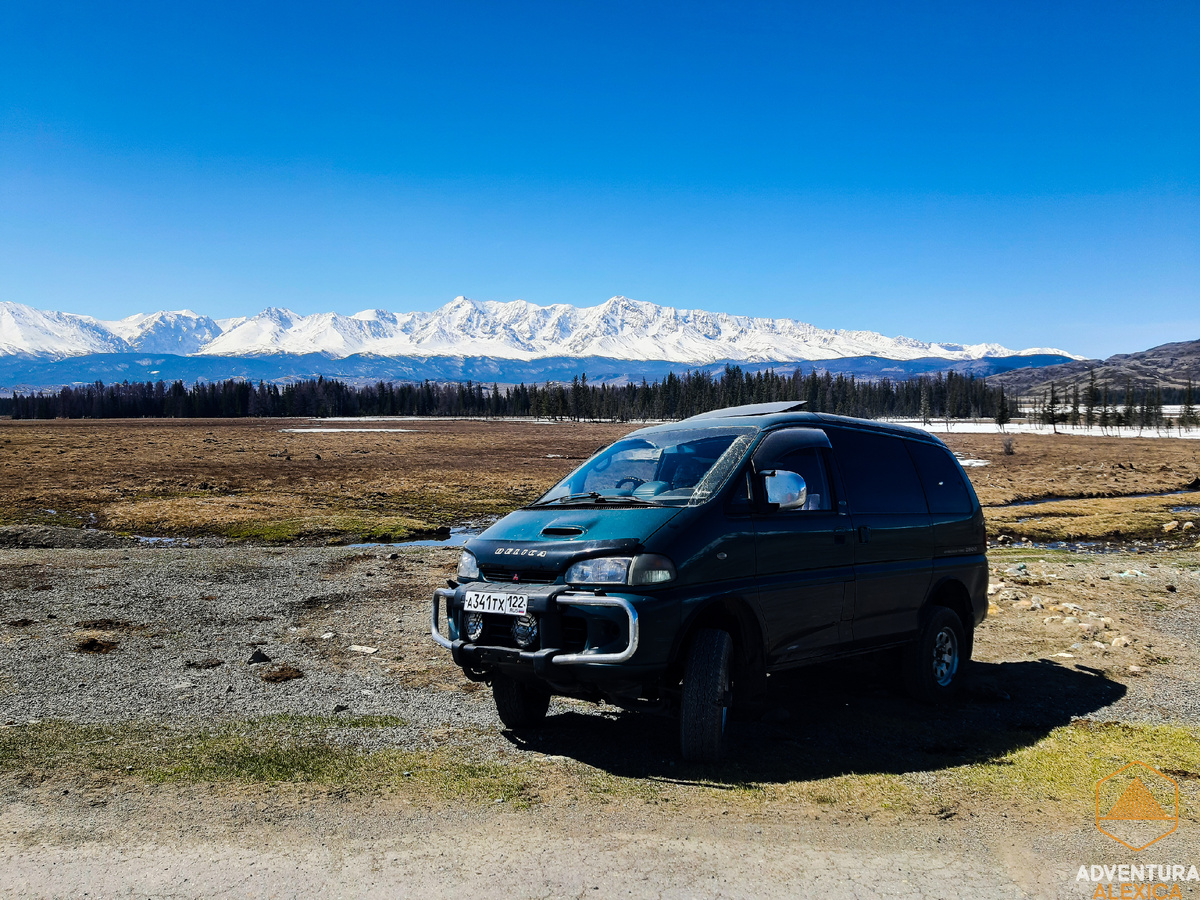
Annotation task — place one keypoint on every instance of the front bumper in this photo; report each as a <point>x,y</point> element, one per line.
<point>545,600</point>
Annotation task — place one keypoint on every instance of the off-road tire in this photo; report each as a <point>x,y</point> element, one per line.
<point>933,664</point>
<point>707,693</point>
<point>520,704</point>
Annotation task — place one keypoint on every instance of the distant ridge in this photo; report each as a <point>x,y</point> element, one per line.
<point>1165,366</point>
<point>619,328</point>
<point>618,341</point>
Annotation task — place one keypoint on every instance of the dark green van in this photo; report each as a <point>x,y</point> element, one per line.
<point>681,564</point>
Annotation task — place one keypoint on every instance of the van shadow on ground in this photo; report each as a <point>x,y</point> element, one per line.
<point>842,718</point>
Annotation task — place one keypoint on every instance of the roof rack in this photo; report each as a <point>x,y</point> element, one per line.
<point>753,409</point>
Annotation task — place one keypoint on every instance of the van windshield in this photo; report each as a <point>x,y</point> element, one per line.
<point>681,467</point>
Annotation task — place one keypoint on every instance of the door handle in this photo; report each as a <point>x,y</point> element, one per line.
<point>839,535</point>
<point>864,534</point>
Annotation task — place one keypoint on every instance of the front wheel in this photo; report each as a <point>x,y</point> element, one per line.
<point>933,663</point>
<point>706,696</point>
<point>520,705</point>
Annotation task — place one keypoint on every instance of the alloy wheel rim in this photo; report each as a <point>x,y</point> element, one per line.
<point>945,657</point>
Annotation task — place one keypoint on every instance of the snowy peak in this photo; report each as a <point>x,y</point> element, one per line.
<point>25,331</point>
<point>620,328</point>
<point>182,332</point>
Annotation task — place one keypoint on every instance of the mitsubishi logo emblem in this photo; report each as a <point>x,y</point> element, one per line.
<point>516,576</point>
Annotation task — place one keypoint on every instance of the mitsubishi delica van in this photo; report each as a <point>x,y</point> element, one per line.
<point>681,565</point>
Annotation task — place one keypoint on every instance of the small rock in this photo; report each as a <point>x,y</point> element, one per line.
<point>1136,670</point>
<point>182,686</point>
<point>1170,589</point>
<point>327,635</point>
<point>211,663</point>
<point>1036,602</point>
<point>1064,655</point>
<point>1004,539</point>
<point>1070,620</point>
<point>229,690</point>
<point>1100,645</point>
<point>1188,526</point>
<point>257,657</point>
<point>1074,607</point>
<point>393,556</point>
<point>281,673</point>
<point>1120,641</point>
<point>1023,604</point>
<point>1089,627</point>
<point>1170,526</point>
<point>358,648</point>
<point>95,645</point>
<point>1050,620</point>
<point>340,708</point>
<point>1106,621</point>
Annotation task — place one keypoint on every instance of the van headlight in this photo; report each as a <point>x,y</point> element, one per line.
<point>644,569</point>
<point>468,567</point>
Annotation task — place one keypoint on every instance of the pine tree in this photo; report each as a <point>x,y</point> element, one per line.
<point>1091,398</point>
<point>1003,416</point>
<point>1187,415</point>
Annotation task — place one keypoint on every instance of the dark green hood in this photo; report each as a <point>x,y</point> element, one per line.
<point>586,524</point>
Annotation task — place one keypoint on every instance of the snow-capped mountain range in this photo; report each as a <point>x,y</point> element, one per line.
<point>620,329</point>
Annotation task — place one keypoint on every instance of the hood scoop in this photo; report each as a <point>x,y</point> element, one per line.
<point>563,531</point>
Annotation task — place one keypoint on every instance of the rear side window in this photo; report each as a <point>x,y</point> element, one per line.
<point>878,472</point>
<point>941,478</point>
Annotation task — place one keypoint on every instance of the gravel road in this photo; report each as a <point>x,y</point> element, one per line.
<point>187,844</point>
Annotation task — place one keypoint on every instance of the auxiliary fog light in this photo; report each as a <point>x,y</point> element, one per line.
<point>525,630</point>
<point>473,622</point>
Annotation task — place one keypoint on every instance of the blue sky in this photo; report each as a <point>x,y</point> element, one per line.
<point>1022,173</point>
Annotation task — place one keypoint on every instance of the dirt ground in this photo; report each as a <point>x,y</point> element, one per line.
<point>167,765</point>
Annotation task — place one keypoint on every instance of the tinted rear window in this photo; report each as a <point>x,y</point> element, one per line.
<point>878,472</point>
<point>941,478</point>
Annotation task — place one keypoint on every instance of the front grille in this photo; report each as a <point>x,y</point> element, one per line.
<point>497,574</point>
<point>574,634</point>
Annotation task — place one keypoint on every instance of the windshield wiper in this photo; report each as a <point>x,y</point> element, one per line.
<point>595,497</point>
<point>567,498</point>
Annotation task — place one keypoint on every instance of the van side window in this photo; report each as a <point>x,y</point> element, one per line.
<point>941,478</point>
<point>877,471</point>
<point>807,463</point>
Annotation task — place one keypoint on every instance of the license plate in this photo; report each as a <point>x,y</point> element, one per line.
<point>502,604</point>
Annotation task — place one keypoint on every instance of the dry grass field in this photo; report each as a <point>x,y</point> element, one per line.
<point>281,481</point>
<point>257,480</point>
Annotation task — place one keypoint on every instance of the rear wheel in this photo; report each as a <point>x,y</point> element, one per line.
<point>707,691</point>
<point>933,663</point>
<point>519,703</point>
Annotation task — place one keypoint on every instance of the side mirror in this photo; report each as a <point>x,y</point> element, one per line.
<point>785,490</point>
